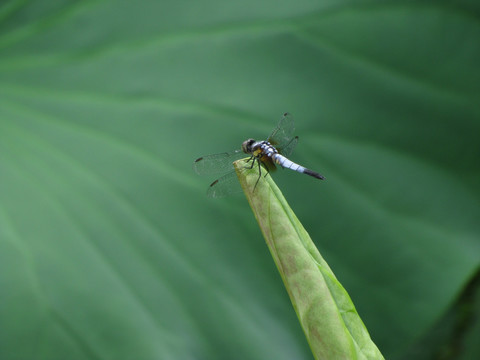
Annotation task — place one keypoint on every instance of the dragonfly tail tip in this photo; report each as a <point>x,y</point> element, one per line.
<point>314,174</point>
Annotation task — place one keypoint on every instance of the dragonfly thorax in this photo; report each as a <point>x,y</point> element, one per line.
<point>255,148</point>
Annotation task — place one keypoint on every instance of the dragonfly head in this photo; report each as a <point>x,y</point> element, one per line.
<point>247,146</point>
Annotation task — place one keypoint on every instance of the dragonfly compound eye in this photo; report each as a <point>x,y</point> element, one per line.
<point>247,146</point>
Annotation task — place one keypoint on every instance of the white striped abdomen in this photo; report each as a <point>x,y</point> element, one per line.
<point>286,163</point>
<point>281,160</point>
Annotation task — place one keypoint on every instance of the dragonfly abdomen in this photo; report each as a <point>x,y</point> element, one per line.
<point>289,164</point>
<point>286,163</point>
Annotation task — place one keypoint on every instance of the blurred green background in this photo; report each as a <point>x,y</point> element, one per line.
<point>109,247</point>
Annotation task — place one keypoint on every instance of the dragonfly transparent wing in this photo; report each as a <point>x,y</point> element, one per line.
<point>226,185</point>
<point>287,149</point>
<point>217,163</point>
<point>283,133</point>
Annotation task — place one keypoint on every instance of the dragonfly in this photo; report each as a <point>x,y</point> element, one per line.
<point>273,151</point>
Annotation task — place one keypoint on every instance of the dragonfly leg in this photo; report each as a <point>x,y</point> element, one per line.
<point>253,162</point>
<point>259,173</point>
<point>268,171</point>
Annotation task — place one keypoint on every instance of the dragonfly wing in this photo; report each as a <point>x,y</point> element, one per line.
<point>224,186</point>
<point>283,132</point>
<point>217,163</point>
<point>287,149</point>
